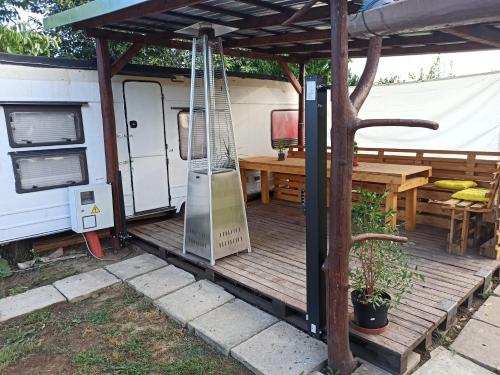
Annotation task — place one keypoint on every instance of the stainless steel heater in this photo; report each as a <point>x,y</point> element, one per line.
<point>215,223</point>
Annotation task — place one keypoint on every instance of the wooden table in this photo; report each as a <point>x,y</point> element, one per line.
<point>397,178</point>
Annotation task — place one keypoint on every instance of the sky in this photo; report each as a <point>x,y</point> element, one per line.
<point>458,64</point>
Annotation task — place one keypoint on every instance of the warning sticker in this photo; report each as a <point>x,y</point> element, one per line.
<point>96,210</point>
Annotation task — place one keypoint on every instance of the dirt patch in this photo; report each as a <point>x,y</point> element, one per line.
<point>44,274</point>
<point>118,332</point>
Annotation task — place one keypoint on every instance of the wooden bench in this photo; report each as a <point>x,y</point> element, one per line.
<point>471,165</point>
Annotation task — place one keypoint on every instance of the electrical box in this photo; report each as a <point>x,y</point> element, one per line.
<point>91,207</point>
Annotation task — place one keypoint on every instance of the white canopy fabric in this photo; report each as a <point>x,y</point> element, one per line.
<point>466,108</point>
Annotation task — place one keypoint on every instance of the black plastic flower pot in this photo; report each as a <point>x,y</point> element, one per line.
<point>281,156</point>
<point>367,315</point>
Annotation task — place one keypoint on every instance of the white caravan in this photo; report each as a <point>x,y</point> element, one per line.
<point>51,132</point>
<point>51,137</point>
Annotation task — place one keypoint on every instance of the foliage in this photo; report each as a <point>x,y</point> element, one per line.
<point>381,266</point>
<point>436,71</point>
<point>355,148</point>
<point>393,78</point>
<point>281,147</point>
<point>22,39</point>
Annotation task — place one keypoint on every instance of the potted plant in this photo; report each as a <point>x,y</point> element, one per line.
<point>355,150</point>
<point>382,273</point>
<point>281,151</point>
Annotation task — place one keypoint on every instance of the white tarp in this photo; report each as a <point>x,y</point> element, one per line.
<point>466,108</point>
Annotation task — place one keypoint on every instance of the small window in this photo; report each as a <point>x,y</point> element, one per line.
<point>46,125</point>
<point>49,169</point>
<point>199,137</point>
<point>284,127</point>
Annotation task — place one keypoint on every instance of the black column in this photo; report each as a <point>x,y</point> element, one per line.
<point>315,203</point>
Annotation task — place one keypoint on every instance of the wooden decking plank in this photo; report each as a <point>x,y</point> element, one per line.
<point>268,283</point>
<point>276,269</point>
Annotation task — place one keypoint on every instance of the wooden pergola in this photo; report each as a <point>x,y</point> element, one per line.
<point>294,31</point>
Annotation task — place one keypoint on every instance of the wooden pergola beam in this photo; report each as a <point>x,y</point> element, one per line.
<point>313,36</point>
<point>138,10</point>
<point>161,39</point>
<point>119,231</point>
<point>407,51</point>
<point>395,41</point>
<point>291,77</point>
<point>479,34</point>
<point>125,58</point>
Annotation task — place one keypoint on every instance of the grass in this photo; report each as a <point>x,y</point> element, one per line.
<point>120,333</point>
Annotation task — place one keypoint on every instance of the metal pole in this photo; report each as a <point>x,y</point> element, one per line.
<point>316,219</point>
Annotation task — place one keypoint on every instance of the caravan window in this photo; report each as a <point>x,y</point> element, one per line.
<point>199,141</point>
<point>49,169</point>
<point>46,125</point>
<point>284,127</point>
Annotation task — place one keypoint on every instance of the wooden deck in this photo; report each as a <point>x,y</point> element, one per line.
<point>276,270</point>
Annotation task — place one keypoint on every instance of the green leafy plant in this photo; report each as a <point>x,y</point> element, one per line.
<point>5,271</point>
<point>380,266</point>
<point>281,147</point>
<point>355,148</point>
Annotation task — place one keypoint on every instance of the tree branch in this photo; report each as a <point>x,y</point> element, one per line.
<point>397,122</point>
<point>378,236</point>
<point>365,83</point>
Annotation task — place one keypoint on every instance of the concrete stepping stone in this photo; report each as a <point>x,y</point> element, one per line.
<point>136,266</point>
<point>193,301</point>
<point>163,281</point>
<point>480,343</point>
<point>444,362</point>
<point>29,301</point>
<point>489,312</point>
<point>84,285</point>
<point>230,324</point>
<point>282,350</point>
<point>497,291</point>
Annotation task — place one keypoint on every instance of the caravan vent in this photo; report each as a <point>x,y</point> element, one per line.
<point>42,170</point>
<point>44,126</point>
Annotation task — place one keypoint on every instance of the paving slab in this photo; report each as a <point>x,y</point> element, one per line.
<point>230,324</point>
<point>489,312</point>
<point>193,301</point>
<point>479,342</point>
<point>367,368</point>
<point>282,350</point>
<point>161,282</point>
<point>497,291</point>
<point>445,362</point>
<point>136,266</point>
<point>29,301</point>
<point>84,285</point>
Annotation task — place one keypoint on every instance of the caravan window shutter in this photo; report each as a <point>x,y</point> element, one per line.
<point>49,169</point>
<point>284,127</point>
<point>32,125</point>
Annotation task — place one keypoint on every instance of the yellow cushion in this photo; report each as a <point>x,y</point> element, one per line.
<point>473,195</point>
<point>455,184</point>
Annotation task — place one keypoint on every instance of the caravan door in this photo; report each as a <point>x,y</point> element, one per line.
<point>147,145</point>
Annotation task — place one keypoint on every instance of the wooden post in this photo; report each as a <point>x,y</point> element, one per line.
<point>302,80</point>
<point>109,133</point>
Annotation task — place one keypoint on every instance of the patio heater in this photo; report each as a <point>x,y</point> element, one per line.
<point>215,222</point>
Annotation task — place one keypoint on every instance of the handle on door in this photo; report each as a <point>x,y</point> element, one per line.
<point>133,124</point>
